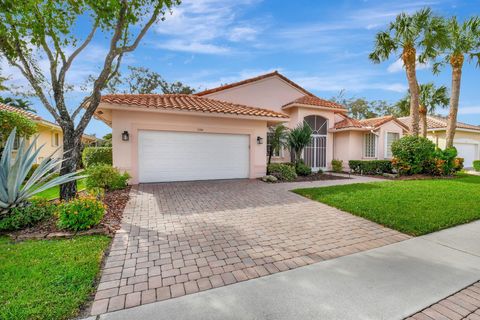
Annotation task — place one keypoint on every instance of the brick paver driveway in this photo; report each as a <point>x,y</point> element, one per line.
<point>181,238</point>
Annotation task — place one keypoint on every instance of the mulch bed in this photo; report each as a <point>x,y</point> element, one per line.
<point>111,222</point>
<point>315,177</point>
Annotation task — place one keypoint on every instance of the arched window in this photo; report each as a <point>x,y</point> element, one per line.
<point>318,124</point>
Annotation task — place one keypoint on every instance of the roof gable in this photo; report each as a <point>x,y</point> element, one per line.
<point>253,80</point>
<point>437,122</point>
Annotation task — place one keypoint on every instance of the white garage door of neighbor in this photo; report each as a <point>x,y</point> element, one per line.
<point>185,156</point>
<point>467,151</point>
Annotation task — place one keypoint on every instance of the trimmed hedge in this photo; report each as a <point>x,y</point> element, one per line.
<point>282,171</point>
<point>413,155</point>
<point>370,166</point>
<point>476,165</point>
<point>96,155</point>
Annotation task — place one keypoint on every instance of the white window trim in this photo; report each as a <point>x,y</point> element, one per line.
<point>385,149</point>
<point>365,145</point>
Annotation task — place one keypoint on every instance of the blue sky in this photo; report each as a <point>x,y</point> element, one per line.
<point>322,45</point>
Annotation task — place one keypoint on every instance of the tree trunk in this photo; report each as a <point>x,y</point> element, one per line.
<point>456,62</point>
<point>409,60</point>
<point>270,151</point>
<point>71,147</point>
<point>423,120</point>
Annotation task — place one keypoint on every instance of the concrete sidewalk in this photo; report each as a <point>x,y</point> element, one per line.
<point>391,282</point>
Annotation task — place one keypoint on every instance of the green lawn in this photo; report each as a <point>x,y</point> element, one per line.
<point>414,207</point>
<point>48,279</point>
<point>54,192</point>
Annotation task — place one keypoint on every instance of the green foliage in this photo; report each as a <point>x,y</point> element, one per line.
<point>458,164</point>
<point>282,171</point>
<point>476,165</point>
<point>430,97</point>
<point>97,155</point>
<point>18,103</point>
<point>80,213</point>
<point>106,177</point>
<point>361,108</point>
<point>298,138</point>
<point>443,162</point>
<point>14,189</point>
<point>48,279</point>
<point>302,169</point>
<point>142,80</point>
<point>10,120</point>
<point>337,165</point>
<point>278,136</point>
<point>20,218</point>
<point>412,155</point>
<point>370,166</point>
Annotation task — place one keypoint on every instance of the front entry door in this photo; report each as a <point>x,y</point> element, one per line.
<point>315,154</point>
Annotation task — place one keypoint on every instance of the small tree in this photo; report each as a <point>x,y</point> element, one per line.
<point>11,120</point>
<point>430,99</point>
<point>411,36</point>
<point>463,40</point>
<point>298,139</point>
<point>45,28</point>
<point>278,139</point>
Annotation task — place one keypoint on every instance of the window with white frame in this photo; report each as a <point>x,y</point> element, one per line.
<point>370,146</point>
<point>390,138</point>
<point>276,153</point>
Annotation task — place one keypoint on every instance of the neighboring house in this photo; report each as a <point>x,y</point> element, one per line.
<point>221,133</point>
<point>467,137</point>
<point>49,134</point>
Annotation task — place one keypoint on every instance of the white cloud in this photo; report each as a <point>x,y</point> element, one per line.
<point>199,26</point>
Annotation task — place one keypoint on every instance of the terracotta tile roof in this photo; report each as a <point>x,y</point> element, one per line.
<point>436,122</point>
<point>187,102</point>
<point>315,101</point>
<point>376,122</point>
<point>27,114</point>
<point>261,77</point>
<point>348,123</point>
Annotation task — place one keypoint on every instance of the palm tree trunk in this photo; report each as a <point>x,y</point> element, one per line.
<point>456,62</point>
<point>423,120</point>
<point>409,59</point>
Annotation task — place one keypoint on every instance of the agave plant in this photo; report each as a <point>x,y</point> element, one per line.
<point>14,190</point>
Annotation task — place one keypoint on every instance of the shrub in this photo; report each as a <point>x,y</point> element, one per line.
<point>282,171</point>
<point>106,177</point>
<point>80,214</point>
<point>96,155</point>
<point>412,155</point>
<point>302,169</point>
<point>337,165</point>
<point>21,218</point>
<point>458,164</point>
<point>476,165</point>
<point>370,166</point>
<point>443,162</point>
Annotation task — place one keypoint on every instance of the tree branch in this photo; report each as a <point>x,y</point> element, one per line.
<point>144,30</point>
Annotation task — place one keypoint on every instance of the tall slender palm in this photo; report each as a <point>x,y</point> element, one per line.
<point>463,40</point>
<point>278,139</point>
<point>414,38</point>
<point>430,98</point>
<point>298,138</point>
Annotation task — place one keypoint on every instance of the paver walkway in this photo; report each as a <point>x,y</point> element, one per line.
<point>464,304</point>
<point>182,238</point>
<point>387,283</point>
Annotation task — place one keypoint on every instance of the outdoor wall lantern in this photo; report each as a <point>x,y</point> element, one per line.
<point>259,140</point>
<point>125,136</point>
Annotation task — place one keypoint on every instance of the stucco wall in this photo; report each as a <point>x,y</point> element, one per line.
<point>439,137</point>
<point>271,93</point>
<point>390,126</point>
<point>45,139</point>
<point>125,153</point>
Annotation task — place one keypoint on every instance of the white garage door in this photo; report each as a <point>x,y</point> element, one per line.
<point>468,151</point>
<point>183,156</point>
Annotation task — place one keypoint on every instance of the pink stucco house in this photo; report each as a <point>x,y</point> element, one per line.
<point>221,133</point>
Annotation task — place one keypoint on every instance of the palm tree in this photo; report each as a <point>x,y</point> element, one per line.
<point>18,103</point>
<point>411,36</point>
<point>463,40</point>
<point>430,98</point>
<point>278,139</point>
<point>298,139</point>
